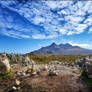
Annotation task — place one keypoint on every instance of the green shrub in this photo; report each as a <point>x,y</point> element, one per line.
<point>6,75</point>
<point>47,59</point>
<point>85,78</point>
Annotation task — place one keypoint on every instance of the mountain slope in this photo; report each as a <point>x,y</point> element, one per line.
<point>62,49</point>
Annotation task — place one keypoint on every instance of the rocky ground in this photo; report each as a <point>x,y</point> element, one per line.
<point>52,77</point>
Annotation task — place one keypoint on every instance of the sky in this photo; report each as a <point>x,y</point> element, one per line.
<point>27,25</point>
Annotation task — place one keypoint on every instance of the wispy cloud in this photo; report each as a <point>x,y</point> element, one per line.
<point>45,19</point>
<point>15,34</point>
<point>84,45</point>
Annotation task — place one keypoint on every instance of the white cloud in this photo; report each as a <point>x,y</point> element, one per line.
<point>15,34</point>
<point>55,18</point>
<point>90,30</point>
<point>73,18</point>
<point>38,20</point>
<point>63,31</point>
<point>84,45</point>
<point>42,36</point>
<point>38,36</point>
<point>88,21</point>
<point>52,4</point>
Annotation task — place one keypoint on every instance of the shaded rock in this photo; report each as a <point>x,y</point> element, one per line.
<point>28,71</point>
<point>53,73</point>
<point>21,59</point>
<point>34,73</point>
<point>21,73</point>
<point>86,66</point>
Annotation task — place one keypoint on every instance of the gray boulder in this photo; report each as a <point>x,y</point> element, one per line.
<point>53,73</point>
<point>87,66</point>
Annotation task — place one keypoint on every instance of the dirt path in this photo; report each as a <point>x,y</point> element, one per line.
<point>67,81</point>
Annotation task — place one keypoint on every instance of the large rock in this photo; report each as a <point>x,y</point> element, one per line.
<point>87,66</point>
<point>55,62</point>
<point>53,73</point>
<point>4,64</point>
<point>21,59</point>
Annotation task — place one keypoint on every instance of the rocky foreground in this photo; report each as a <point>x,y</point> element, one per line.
<point>53,77</point>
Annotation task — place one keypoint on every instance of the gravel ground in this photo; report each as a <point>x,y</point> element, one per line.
<point>67,79</point>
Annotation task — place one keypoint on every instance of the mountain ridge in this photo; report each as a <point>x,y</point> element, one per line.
<point>61,49</point>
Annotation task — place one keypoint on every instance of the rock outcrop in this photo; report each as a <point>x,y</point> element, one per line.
<point>4,64</point>
<point>21,59</point>
<point>87,66</point>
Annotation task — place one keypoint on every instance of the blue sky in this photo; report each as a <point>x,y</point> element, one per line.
<point>28,26</point>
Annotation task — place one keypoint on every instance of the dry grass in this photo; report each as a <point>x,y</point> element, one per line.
<point>49,84</point>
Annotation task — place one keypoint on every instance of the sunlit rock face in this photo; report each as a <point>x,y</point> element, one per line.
<point>4,64</point>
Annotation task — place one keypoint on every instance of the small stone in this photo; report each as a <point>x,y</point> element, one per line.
<point>34,73</point>
<point>14,88</point>
<point>45,68</point>
<point>17,82</point>
<point>18,88</point>
<point>73,71</point>
<point>18,73</point>
<point>53,73</point>
<point>38,72</point>
<point>29,71</point>
<point>24,74</point>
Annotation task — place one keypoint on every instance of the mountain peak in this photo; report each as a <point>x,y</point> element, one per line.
<point>62,49</point>
<point>53,43</point>
<point>68,44</point>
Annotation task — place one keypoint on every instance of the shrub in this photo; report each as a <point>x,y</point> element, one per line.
<point>47,59</point>
<point>85,78</point>
<point>6,75</point>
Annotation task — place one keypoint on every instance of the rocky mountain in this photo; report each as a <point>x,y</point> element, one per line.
<point>62,49</point>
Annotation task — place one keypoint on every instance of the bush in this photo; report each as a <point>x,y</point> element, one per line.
<point>85,78</point>
<point>47,59</point>
<point>6,75</point>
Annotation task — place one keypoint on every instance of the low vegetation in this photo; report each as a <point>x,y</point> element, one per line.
<point>47,59</point>
<point>85,78</point>
<point>6,75</point>
<point>17,58</point>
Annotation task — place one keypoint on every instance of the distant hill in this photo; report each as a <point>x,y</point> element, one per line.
<point>61,49</point>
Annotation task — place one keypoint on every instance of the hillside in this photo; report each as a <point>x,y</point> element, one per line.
<point>61,49</point>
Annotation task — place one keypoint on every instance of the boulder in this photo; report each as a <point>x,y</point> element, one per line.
<point>34,73</point>
<point>53,73</point>
<point>44,68</point>
<point>21,73</point>
<point>87,66</point>
<point>54,62</point>
<point>21,59</point>
<point>4,64</point>
<point>28,71</point>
